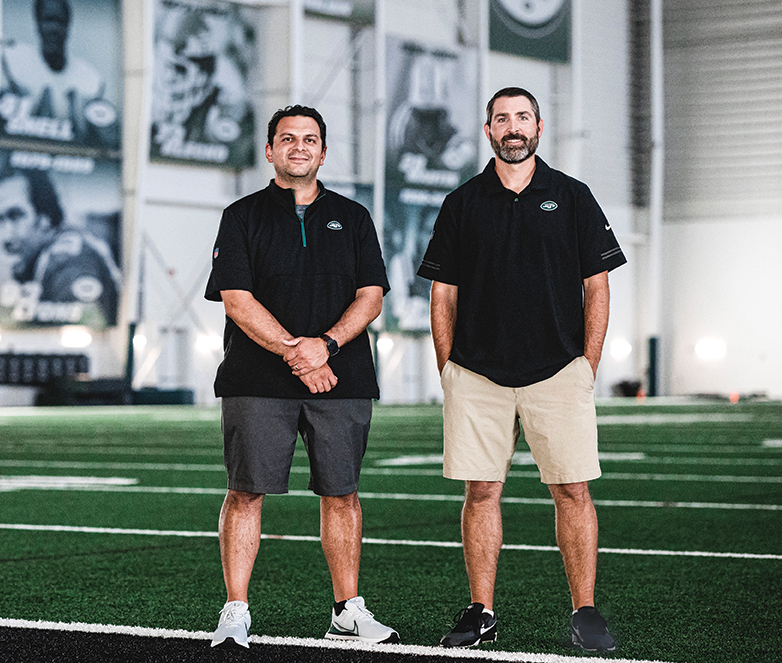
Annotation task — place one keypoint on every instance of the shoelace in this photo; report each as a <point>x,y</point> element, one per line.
<point>364,610</point>
<point>231,613</point>
<point>458,616</point>
<point>463,612</point>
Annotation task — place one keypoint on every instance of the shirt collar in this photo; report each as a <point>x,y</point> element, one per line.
<point>286,197</point>
<point>541,178</point>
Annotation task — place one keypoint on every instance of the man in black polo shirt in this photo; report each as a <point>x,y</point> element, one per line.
<point>300,273</point>
<point>519,261</point>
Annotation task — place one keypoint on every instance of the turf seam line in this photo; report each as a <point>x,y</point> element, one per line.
<point>374,541</point>
<point>413,650</point>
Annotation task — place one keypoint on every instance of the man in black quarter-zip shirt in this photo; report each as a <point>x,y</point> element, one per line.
<point>301,275</point>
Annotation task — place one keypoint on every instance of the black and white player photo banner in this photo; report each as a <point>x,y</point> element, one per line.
<point>204,64</point>
<point>60,240</point>
<point>431,148</point>
<point>61,76</point>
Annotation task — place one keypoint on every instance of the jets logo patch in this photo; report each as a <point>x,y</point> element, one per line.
<point>334,225</point>
<point>548,206</point>
<point>87,289</point>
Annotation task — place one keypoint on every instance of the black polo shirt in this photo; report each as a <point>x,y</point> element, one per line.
<point>519,261</point>
<point>305,273</point>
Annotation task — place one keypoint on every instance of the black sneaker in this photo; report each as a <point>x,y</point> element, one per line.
<point>590,631</point>
<point>473,626</point>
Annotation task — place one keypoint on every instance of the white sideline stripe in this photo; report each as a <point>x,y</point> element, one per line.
<point>773,444</point>
<point>411,650</point>
<point>167,490</point>
<point>384,542</point>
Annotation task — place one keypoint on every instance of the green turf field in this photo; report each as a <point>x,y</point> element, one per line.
<point>108,516</point>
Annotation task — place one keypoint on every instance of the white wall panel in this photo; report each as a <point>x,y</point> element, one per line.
<point>723,195</point>
<point>723,280</point>
<point>723,68</point>
<point>432,22</point>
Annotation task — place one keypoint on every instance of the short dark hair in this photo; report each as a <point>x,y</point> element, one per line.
<point>512,92</point>
<point>296,111</point>
<point>41,192</point>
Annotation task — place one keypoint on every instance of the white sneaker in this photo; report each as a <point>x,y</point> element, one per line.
<point>233,625</point>
<point>355,622</point>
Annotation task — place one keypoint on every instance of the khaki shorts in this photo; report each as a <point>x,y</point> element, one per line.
<point>481,425</point>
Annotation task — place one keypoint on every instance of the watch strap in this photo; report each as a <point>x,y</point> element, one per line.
<point>331,345</point>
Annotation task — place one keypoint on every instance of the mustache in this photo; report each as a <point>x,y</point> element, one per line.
<point>508,137</point>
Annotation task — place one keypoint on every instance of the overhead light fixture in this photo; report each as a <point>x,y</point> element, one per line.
<point>207,343</point>
<point>620,349</point>
<point>75,337</point>
<point>385,344</point>
<point>711,349</point>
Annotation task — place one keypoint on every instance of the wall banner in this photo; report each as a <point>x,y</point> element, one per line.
<point>61,80</point>
<point>353,11</point>
<point>61,234</point>
<point>431,148</point>
<point>539,29</point>
<point>202,83</point>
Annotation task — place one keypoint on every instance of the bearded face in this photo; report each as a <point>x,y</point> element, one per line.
<point>514,129</point>
<point>514,147</point>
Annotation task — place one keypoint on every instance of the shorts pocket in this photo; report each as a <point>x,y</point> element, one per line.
<point>587,369</point>
<point>446,370</point>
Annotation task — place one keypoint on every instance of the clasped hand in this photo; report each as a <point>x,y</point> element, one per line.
<point>307,358</point>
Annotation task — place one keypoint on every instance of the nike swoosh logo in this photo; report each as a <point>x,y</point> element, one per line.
<point>341,631</point>
<point>608,226</point>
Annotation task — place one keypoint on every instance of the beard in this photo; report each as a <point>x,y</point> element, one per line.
<point>514,153</point>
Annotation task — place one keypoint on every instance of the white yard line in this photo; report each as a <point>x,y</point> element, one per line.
<point>211,413</point>
<point>32,482</point>
<point>371,541</point>
<point>95,465</point>
<point>120,485</point>
<point>410,650</point>
<point>386,471</point>
<point>665,419</point>
<point>156,413</point>
<point>620,476</point>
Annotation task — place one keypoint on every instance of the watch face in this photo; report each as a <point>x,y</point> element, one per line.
<point>532,13</point>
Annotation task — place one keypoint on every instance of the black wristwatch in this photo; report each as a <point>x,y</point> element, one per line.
<point>331,344</point>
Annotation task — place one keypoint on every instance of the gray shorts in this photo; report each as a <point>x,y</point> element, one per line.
<point>259,437</point>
